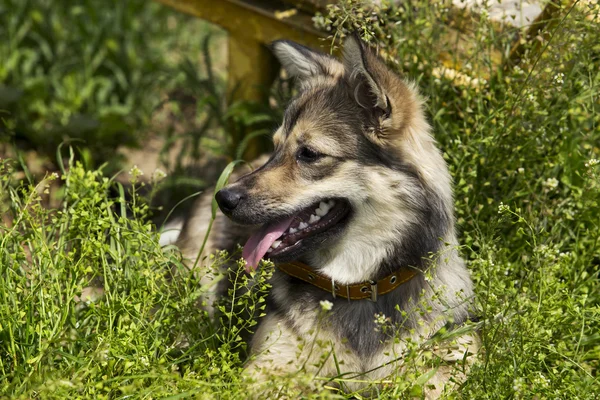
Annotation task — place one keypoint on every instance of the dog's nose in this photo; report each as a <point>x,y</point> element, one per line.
<point>229,199</point>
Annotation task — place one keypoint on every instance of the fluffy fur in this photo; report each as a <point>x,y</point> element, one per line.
<point>376,152</point>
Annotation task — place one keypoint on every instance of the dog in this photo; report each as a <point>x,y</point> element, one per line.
<point>355,208</point>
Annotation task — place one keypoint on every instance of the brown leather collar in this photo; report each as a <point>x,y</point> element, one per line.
<point>358,291</point>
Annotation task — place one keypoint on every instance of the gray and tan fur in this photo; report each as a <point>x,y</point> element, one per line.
<point>375,151</point>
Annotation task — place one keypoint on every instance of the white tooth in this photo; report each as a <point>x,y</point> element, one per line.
<point>276,244</point>
<point>292,230</point>
<point>302,225</point>
<point>323,209</point>
<point>313,219</point>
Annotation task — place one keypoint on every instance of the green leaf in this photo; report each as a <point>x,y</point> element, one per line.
<point>423,379</point>
<point>223,179</point>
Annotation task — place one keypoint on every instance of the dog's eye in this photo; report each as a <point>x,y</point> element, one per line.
<point>308,155</point>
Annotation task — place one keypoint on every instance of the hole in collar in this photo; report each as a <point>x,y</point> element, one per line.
<point>393,279</point>
<point>364,289</point>
<point>311,277</point>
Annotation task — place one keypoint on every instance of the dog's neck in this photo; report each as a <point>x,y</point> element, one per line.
<point>363,262</point>
<point>369,253</point>
<point>349,263</point>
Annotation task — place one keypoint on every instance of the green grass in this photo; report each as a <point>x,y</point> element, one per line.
<point>522,148</point>
<point>145,334</point>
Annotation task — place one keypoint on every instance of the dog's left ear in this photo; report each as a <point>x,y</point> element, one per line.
<point>303,63</point>
<point>361,68</point>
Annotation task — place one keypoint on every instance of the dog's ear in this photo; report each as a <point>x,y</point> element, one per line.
<point>361,69</point>
<point>301,62</point>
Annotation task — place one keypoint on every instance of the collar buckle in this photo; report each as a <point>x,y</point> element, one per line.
<point>333,288</point>
<point>373,291</point>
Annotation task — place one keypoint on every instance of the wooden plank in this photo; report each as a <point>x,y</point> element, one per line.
<point>545,21</point>
<point>257,20</point>
<point>312,6</point>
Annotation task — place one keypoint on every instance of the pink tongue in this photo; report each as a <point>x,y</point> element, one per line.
<point>256,247</point>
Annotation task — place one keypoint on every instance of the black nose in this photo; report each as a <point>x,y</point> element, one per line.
<point>229,199</point>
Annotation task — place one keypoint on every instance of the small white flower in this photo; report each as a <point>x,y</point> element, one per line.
<point>503,208</point>
<point>592,162</point>
<point>521,170</point>
<point>518,385</point>
<point>543,380</point>
<point>135,171</point>
<point>159,174</point>
<point>551,183</point>
<point>559,78</point>
<point>380,319</point>
<point>326,305</point>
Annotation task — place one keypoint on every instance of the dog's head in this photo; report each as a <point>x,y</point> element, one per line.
<point>353,159</point>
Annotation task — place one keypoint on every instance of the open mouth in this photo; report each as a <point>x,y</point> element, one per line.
<point>284,236</point>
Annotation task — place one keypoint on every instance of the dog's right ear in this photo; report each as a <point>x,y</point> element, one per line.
<point>301,62</point>
<point>361,65</point>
